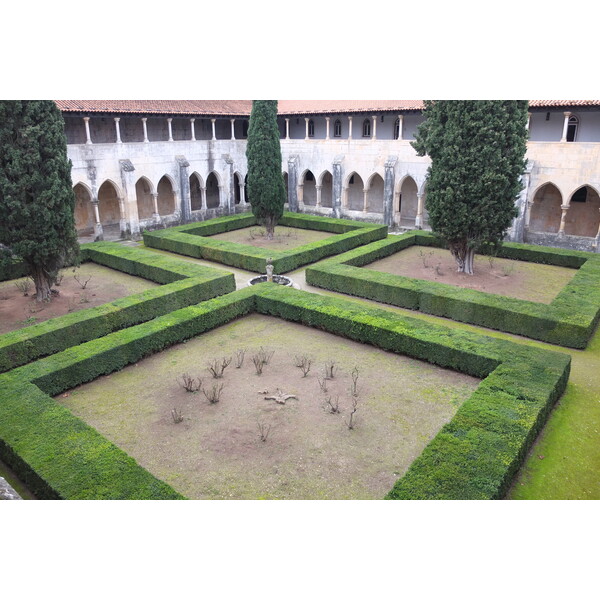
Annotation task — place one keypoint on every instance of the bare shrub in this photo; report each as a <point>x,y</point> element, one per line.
<point>239,357</point>
<point>176,415</point>
<point>81,282</point>
<point>258,364</point>
<point>322,384</point>
<point>425,256</point>
<point>213,395</point>
<point>351,422</point>
<point>24,285</point>
<point>332,406</point>
<point>266,355</point>
<point>330,369</point>
<point>189,383</point>
<point>263,430</point>
<point>354,387</point>
<point>217,366</point>
<point>303,362</point>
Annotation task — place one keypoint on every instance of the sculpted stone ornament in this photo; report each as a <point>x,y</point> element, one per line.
<point>280,397</point>
<point>269,269</point>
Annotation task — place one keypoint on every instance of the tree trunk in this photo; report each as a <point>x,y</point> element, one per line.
<point>463,255</point>
<point>270,227</point>
<point>42,282</point>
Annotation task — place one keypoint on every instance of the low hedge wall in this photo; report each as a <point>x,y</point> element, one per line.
<point>569,320</point>
<point>192,240</point>
<point>475,456</point>
<point>184,284</point>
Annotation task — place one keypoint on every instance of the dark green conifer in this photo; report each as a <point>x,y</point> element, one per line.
<point>266,189</point>
<point>477,150</point>
<point>36,192</point>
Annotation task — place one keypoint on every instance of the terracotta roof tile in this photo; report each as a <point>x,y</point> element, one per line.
<point>285,107</point>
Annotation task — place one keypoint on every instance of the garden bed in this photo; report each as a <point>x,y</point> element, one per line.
<point>285,238</point>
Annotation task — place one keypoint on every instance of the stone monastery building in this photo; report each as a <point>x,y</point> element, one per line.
<point>142,164</point>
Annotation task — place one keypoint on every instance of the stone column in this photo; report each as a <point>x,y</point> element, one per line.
<point>242,193</point>
<point>117,119</point>
<point>400,126</point>
<point>122,218</point>
<point>203,198</point>
<point>349,128</point>
<point>145,124</point>
<point>88,137</point>
<point>419,217</point>
<point>155,214</point>
<point>193,128</point>
<point>130,227</point>
<point>336,191</point>
<point>184,187</point>
<point>318,196</point>
<point>287,129</point>
<point>98,231</point>
<point>170,123</point>
<point>214,134</point>
<point>232,129</point>
<point>528,121</point>
<point>306,119</point>
<point>365,199</point>
<point>327,125</point>
<point>565,127</point>
<point>374,132</point>
<point>388,191</point>
<point>563,217</point>
<point>293,183</point>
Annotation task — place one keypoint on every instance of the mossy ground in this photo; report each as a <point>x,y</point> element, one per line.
<point>216,452</point>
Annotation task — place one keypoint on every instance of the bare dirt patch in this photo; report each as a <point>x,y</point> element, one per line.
<point>101,285</point>
<point>523,280</point>
<point>216,450</point>
<point>286,238</point>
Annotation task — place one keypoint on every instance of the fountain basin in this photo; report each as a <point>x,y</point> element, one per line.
<point>279,279</point>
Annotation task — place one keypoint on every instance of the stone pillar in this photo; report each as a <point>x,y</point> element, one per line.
<point>318,196</point>
<point>98,231</point>
<point>145,125</point>
<point>88,137</point>
<point>528,121</point>
<point>420,206</point>
<point>122,218</point>
<point>300,194</point>
<point>129,215</point>
<point>336,191</point>
<point>193,128</point>
<point>565,126</point>
<point>293,183</point>
<point>327,126</point>
<point>365,199</point>
<point>287,129</point>
<point>184,186</point>
<point>349,128</point>
<point>400,126</point>
<point>374,132</point>
<point>170,123</point>
<point>214,134</point>
<point>232,129</point>
<point>242,193</point>
<point>155,214</point>
<point>118,130</point>
<point>306,119</point>
<point>203,198</point>
<point>563,217</point>
<point>388,191</point>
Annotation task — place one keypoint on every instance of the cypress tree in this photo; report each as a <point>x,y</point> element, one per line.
<point>36,192</point>
<point>477,150</point>
<point>266,189</point>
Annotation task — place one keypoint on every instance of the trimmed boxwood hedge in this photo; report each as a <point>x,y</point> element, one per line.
<point>475,456</point>
<point>193,240</point>
<point>184,284</point>
<point>569,320</point>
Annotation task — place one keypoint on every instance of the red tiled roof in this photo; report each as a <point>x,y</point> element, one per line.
<point>285,107</point>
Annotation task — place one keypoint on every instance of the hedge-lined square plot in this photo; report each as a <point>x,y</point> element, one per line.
<point>474,456</point>
<point>568,320</point>
<point>196,240</point>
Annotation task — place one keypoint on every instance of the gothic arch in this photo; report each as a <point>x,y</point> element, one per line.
<point>166,196</point>
<point>583,216</point>
<point>375,188</point>
<point>354,192</point>
<point>309,188</point>
<point>108,203</point>
<point>196,185</point>
<point>408,201</point>
<point>213,190</point>
<point>84,211</point>
<point>326,183</point>
<point>143,195</point>
<point>545,209</point>
<point>237,194</point>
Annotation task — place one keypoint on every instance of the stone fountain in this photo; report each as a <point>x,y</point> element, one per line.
<point>270,277</point>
